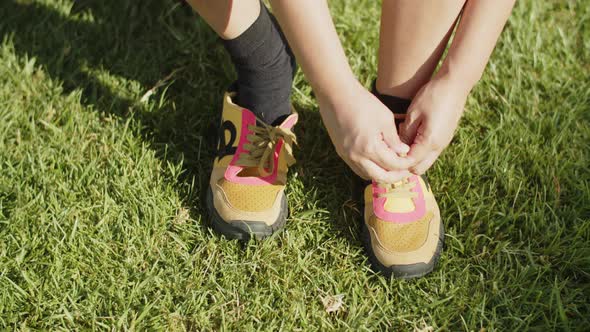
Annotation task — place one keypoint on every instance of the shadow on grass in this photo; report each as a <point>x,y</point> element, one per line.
<point>328,176</point>
<point>104,44</point>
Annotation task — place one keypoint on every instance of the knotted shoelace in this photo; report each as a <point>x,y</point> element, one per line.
<point>263,140</point>
<point>400,189</point>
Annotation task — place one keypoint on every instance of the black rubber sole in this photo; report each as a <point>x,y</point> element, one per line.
<point>408,271</point>
<point>245,230</point>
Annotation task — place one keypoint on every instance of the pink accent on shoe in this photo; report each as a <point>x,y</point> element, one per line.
<point>290,121</point>
<point>232,171</point>
<point>401,218</point>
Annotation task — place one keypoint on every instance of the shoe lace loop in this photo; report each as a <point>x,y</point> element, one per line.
<point>400,189</point>
<point>263,140</point>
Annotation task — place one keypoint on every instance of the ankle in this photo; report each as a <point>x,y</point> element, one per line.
<point>396,104</point>
<point>265,68</point>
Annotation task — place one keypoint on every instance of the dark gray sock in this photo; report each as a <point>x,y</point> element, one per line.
<point>265,66</point>
<point>395,104</point>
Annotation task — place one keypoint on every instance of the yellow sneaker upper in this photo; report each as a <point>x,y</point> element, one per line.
<point>403,220</point>
<point>250,171</point>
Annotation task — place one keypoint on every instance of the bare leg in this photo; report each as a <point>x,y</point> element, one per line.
<point>412,39</point>
<point>229,18</point>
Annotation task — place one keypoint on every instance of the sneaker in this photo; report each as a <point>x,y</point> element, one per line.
<point>403,233</point>
<point>246,197</point>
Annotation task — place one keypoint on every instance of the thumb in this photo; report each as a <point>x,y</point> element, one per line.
<point>393,141</point>
<point>409,128</point>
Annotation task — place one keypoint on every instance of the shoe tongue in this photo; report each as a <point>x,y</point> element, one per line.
<point>250,172</point>
<point>399,205</point>
<point>287,122</point>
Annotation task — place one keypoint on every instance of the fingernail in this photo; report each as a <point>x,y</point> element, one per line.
<point>403,148</point>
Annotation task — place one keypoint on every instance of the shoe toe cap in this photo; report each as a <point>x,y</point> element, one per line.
<point>244,203</point>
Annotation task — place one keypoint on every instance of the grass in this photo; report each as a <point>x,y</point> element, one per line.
<point>102,224</point>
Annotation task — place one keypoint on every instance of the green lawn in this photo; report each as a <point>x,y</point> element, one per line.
<point>102,221</point>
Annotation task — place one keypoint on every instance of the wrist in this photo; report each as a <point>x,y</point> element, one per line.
<point>459,78</point>
<point>336,91</point>
<point>450,92</point>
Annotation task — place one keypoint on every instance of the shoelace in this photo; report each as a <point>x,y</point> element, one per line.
<point>400,189</point>
<point>263,141</point>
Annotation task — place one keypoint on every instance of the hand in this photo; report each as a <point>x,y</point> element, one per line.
<point>363,132</point>
<point>431,121</point>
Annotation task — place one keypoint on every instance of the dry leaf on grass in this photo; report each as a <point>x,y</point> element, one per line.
<point>423,327</point>
<point>332,303</point>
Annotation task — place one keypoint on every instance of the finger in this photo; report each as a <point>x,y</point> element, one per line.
<point>391,161</point>
<point>425,164</point>
<point>378,174</point>
<point>393,141</point>
<point>420,148</point>
<point>409,128</point>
